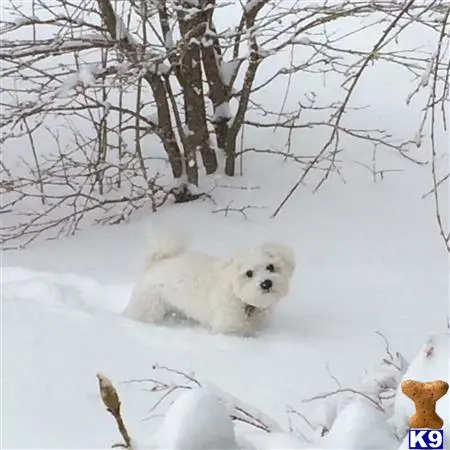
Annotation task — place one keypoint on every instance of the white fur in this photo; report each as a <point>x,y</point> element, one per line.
<point>212,291</point>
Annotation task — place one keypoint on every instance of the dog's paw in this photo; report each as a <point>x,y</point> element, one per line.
<point>233,330</point>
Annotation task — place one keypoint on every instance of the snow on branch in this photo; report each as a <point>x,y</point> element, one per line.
<point>202,415</point>
<point>375,392</point>
<point>80,80</point>
<point>251,5</point>
<point>239,411</point>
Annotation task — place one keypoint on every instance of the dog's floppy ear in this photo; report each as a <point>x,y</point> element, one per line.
<point>281,251</point>
<point>231,262</point>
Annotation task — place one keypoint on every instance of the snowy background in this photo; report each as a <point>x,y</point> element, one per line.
<point>371,267</point>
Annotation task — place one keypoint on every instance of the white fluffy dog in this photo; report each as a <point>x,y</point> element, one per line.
<point>227,296</point>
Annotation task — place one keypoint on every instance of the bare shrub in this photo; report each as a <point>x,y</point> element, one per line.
<point>92,90</point>
<point>378,388</point>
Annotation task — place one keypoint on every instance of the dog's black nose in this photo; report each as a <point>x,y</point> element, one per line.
<point>266,284</point>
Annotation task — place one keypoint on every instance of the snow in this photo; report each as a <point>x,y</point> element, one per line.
<point>305,40</point>
<point>107,105</point>
<point>427,74</point>
<point>158,68</point>
<point>228,69</point>
<point>123,67</point>
<point>369,259</point>
<point>186,130</point>
<point>360,426</point>
<point>207,41</point>
<point>19,21</point>
<point>197,420</point>
<point>251,4</point>
<point>431,363</point>
<point>168,40</point>
<point>194,41</point>
<point>61,316</point>
<point>56,45</point>
<point>121,29</point>
<point>222,112</point>
<point>153,118</point>
<point>86,76</point>
<point>66,328</point>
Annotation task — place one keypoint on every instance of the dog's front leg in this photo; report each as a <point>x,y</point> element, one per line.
<point>259,320</point>
<point>145,306</point>
<point>229,323</point>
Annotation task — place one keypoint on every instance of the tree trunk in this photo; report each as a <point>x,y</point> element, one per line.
<point>165,129</point>
<point>197,138</point>
<point>253,63</point>
<point>219,92</point>
<point>230,160</point>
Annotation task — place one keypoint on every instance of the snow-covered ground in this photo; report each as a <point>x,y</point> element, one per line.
<point>369,259</point>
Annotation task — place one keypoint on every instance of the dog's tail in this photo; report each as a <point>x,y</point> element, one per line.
<point>165,246</point>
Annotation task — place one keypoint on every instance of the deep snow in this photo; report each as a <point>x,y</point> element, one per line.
<point>369,259</point>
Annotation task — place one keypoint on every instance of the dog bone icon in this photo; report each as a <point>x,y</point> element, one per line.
<point>425,396</point>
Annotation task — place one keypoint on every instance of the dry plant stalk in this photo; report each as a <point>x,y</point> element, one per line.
<point>240,412</point>
<point>111,400</point>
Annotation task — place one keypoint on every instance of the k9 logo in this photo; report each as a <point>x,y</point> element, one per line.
<point>420,438</point>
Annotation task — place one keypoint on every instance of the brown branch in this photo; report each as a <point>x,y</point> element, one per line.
<point>343,391</point>
<point>192,27</point>
<point>242,210</point>
<point>156,83</point>
<point>445,235</point>
<point>254,61</point>
<point>340,112</point>
<point>219,93</point>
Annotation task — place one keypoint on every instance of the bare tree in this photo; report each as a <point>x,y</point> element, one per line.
<point>89,86</point>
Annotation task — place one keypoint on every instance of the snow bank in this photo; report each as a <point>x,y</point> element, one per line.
<point>272,441</point>
<point>197,420</point>
<point>65,329</point>
<point>432,363</point>
<point>68,290</point>
<point>359,418</point>
<point>360,426</point>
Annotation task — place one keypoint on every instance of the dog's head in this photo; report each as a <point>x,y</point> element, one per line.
<point>261,276</point>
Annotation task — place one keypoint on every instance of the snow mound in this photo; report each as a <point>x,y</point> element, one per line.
<point>360,426</point>
<point>272,441</point>
<point>432,363</point>
<point>63,290</point>
<point>65,329</point>
<point>197,420</point>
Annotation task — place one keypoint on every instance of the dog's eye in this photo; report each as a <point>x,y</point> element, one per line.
<point>249,273</point>
<point>270,268</point>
